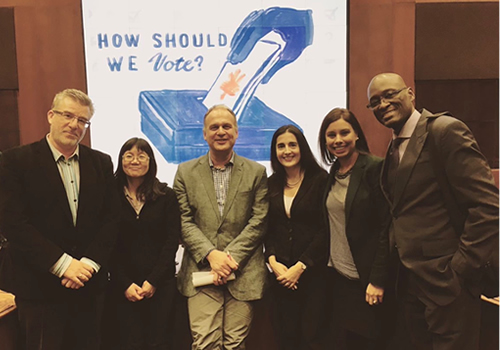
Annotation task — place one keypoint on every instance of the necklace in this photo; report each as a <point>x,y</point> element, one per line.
<point>291,185</point>
<point>340,176</point>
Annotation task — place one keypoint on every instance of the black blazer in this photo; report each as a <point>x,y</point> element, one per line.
<point>303,236</point>
<point>148,242</point>
<point>36,218</point>
<point>367,219</point>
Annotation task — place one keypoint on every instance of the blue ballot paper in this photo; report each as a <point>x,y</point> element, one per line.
<point>266,41</point>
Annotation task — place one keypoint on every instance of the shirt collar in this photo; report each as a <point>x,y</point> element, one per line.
<point>57,155</point>
<point>230,162</point>
<point>409,126</point>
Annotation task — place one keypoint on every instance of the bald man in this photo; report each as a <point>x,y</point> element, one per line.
<point>442,238</point>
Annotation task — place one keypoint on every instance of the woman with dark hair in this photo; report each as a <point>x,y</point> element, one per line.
<point>295,244</point>
<point>143,266</point>
<point>358,219</point>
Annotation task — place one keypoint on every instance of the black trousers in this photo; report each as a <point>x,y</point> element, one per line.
<point>354,324</point>
<point>74,323</point>
<point>147,324</point>
<point>299,316</point>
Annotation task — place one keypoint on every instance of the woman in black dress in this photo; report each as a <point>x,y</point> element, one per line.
<point>143,266</point>
<point>296,241</point>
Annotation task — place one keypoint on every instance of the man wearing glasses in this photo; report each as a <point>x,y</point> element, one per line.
<point>58,211</point>
<point>444,204</point>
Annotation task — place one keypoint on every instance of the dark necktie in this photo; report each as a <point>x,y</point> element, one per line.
<point>392,166</point>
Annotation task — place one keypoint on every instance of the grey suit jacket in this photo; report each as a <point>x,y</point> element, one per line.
<point>239,230</point>
<point>442,260</point>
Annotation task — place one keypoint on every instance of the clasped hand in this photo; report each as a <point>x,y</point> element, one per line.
<point>77,274</point>
<point>287,277</point>
<point>222,265</point>
<point>135,293</point>
<point>374,294</point>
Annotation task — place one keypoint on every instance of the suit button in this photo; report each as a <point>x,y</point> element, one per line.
<point>291,238</point>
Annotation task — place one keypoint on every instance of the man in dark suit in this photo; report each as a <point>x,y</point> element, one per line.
<point>223,202</point>
<point>57,209</point>
<point>441,253</point>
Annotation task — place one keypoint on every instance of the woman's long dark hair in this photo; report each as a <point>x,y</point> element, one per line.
<point>332,116</point>
<point>150,188</point>
<point>308,163</point>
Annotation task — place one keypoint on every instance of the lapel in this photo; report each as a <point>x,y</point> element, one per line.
<point>87,178</point>
<point>54,181</point>
<point>410,157</point>
<point>383,174</point>
<point>303,190</point>
<point>356,176</point>
<point>204,174</point>
<point>234,185</point>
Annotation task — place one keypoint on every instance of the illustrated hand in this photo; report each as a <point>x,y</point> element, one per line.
<point>134,293</point>
<point>148,289</point>
<point>221,263</point>
<point>290,278</point>
<point>77,274</point>
<point>374,294</point>
<point>257,24</point>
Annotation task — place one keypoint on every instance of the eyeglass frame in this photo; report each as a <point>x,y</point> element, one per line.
<point>70,117</point>
<point>136,157</point>
<point>387,96</point>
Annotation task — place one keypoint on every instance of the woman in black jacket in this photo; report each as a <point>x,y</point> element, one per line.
<point>143,266</point>
<point>358,219</point>
<point>296,241</point>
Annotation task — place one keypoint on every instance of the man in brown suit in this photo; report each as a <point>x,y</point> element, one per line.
<point>441,254</point>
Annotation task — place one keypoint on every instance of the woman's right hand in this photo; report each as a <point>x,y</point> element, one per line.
<point>278,268</point>
<point>134,293</point>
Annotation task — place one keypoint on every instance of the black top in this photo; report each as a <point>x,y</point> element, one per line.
<point>147,243</point>
<point>303,236</point>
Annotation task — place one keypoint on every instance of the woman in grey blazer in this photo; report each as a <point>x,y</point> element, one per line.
<point>357,217</point>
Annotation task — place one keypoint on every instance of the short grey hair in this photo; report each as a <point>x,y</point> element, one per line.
<point>77,95</point>
<point>224,107</point>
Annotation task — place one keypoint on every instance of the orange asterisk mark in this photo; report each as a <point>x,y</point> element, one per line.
<point>232,86</point>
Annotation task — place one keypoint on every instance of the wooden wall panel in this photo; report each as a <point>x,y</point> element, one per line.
<point>473,101</point>
<point>456,66</point>
<point>9,129</point>
<point>8,63</point>
<point>381,39</point>
<point>456,41</point>
<point>50,58</point>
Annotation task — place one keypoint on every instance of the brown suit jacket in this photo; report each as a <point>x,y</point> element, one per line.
<point>441,260</point>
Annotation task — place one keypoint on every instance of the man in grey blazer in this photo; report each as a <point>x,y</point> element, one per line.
<point>442,250</point>
<point>223,202</point>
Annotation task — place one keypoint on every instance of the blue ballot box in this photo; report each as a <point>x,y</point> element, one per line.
<point>266,41</point>
<point>173,121</point>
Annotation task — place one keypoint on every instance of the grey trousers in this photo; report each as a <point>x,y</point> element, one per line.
<point>217,320</point>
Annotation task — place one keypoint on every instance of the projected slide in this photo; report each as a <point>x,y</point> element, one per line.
<point>155,67</point>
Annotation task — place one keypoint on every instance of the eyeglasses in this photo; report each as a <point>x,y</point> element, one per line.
<point>386,96</point>
<point>82,122</point>
<point>128,157</point>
